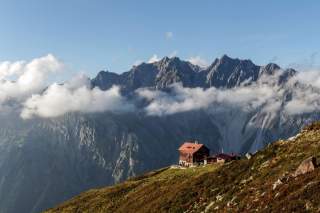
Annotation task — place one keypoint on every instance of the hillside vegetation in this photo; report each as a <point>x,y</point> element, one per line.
<point>263,183</point>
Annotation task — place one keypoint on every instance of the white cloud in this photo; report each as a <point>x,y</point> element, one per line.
<point>197,60</point>
<point>25,82</point>
<point>173,54</point>
<point>303,104</point>
<point>186,99</point>
<point>9,69</point>
<point>300,95</point>
<point>154,58</point>
<point>137,62</point>
<point>310,77</point>
<point>29,77</point>
<point>169,35</point>
<point>74,96</point>
<point>305,93</point>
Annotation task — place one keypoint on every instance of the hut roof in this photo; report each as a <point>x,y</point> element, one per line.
<point>189,147</point>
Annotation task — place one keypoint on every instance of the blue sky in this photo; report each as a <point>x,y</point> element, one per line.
<point>92,35</point>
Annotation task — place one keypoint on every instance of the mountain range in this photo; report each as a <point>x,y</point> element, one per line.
<point>44,161</point>
<point>224,72</point>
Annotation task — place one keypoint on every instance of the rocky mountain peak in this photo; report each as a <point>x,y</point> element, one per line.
<point>172,70</point>
<point>269,69</point>
<point>272,66</point>
<point>229,63</point>
<point>229,72</point>
<point>225,59</point>
<point>169,63</point>
<point>105,79</point>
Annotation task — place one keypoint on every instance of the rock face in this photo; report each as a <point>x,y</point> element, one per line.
<point>308,165</point>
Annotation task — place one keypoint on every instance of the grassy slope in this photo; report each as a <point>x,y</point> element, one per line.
<point>239,186</point>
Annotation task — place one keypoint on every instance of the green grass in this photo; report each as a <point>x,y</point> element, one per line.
<point>238,186</point>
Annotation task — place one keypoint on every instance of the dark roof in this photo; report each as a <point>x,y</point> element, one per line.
<point>225,156</point>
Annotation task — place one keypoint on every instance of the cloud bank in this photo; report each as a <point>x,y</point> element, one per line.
<point>60,99</point>
<point>26,84</point>
<point>187,99</point>
<point>300,95</point>
<point>305,93</point>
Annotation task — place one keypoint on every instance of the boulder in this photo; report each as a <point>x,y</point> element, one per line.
<point>308,165</point>
<point>248,156</point>
<point>276,184</point>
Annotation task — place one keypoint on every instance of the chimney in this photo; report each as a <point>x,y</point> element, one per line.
<point>196,142</point>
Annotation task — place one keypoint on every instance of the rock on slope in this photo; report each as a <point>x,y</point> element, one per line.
<point>264,183</point>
